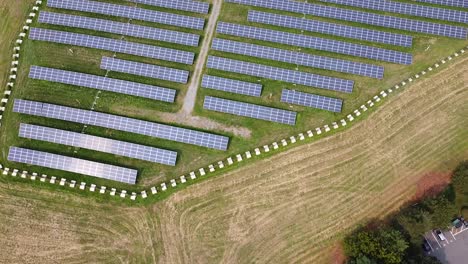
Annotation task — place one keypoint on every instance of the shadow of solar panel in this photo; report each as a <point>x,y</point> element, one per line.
<point>101,144</point>
<point>120,123</point>
<point>143,69</point>
<point>231,86</point>
<point>455,3</point>
<point>119,28</point>
<point>129,12</point>
<point>407,9</point>
<point>359,17</point>
<point>103,83</point>
<point>311,100</point>
<point>120,46</point>
<point>298,58</point>
<point>268,72</point>
<point>335,46</point>
<point>183,5</point>
<point>80,166</point>
<point>330,28</point>
<point>249,110</point>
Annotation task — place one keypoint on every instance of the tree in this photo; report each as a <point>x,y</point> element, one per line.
<point>460,182</point>
<point>385,245</point>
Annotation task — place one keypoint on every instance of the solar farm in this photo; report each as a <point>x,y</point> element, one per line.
<point>100,93</point>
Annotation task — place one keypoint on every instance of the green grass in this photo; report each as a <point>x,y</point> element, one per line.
<point>190,157</point>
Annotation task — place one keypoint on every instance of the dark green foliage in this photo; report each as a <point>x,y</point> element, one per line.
<point>460,183</point>
<point>382,246</point>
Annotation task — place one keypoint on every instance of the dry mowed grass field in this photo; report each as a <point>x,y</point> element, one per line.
<point>292,207</point>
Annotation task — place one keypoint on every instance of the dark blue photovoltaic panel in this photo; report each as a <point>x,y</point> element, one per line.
<point>298,58</point>
<point>183,5</point>
<point>80,166</point>
<point>249,110</point>
<point>330,28</point>
<point>119,28</point>
<point>231,86</point>
<point>335,46</point>
<point>143,69</point>
<point>359,17</point>
<point>407,9</point>
<point>455,3</point>
<point>115,45</point>
<point>279,74</point>
<point>121,123</point>
<point>103,83</point>
<point>129,12</point>
<point>311,100</point>
<point>80,140</point>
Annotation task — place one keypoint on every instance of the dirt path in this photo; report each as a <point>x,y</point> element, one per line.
<point>184,116</point>
<point>190,97</point>
<point>289,208</point>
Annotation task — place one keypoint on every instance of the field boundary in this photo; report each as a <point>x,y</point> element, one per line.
<point>168,187</point>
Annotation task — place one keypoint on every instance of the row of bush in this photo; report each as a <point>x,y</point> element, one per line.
<point>398,238</point>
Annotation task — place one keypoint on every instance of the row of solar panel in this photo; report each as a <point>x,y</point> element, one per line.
<point>125,29</point>
<point>359,17</point>
<point>80,166</point>
<point>298,58</point>
<point>120,123</point>
<point>455,3</point>
<point>183,5</point>
<point>407,9</point>
<point>79,140</point>
<point>335,46</point>
<point>330,28</point>
<point>114,45</point>
<point>129,12</point>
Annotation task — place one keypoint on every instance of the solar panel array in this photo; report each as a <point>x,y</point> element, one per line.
<point>279,74</point>
<point>101,144</point>
<point>314,43</point>
<point>231,86</point>
<point>143,69</point>
<point>102,83</point>
<point>183,5</point>
<point>330,28</point>
<point>298,58</point>
<point>114,45</point>
<point>455,3</point>
<point>407,9</point>
<point>126,124</point>
<point>80,166</point>
<point>129,12</point>
<point>249,110</point>
<point>119,28</point>
<point>359,17</point>
<point>311,100</point>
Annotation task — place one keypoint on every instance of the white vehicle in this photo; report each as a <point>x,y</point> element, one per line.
<point>440,235</point>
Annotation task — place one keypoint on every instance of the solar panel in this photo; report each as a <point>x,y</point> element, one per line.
<point>101,144</point>
<point>249,110</point>
<point>143,69</point>
<point>311,100</point>
<point>80,166</point>
<point>298,58</point>
<point>119,28</point>
<point>120,123</point>
<point>115,45</point>
<point>129,12</point>
<point>455,3</point>
<point>279,74</point>
<point>330,28</point>
<point>359,17</point>
<point>407,9</point>
<point>102,83</point>
<point>183,5</point>
<point>335,46</point>
<point>231,86</point>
